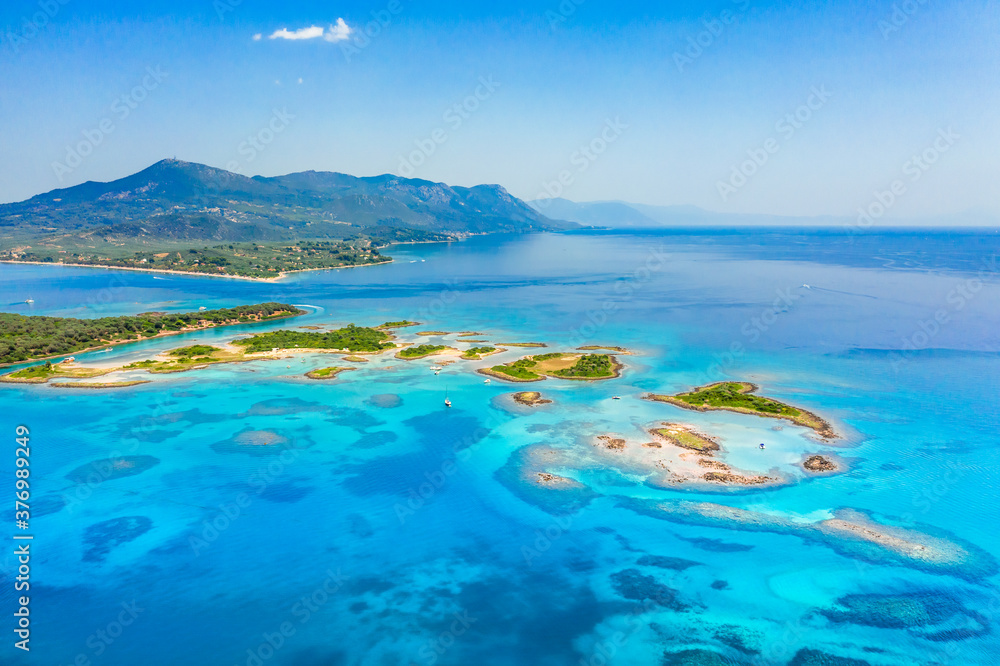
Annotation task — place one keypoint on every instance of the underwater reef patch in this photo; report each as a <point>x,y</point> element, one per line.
<point>101,538</point>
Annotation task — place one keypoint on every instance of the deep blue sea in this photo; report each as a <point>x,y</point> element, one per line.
<point>379,527</point>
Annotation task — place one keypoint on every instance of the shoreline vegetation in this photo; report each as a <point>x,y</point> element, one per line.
<point>558,365</point>
<point>99,385</point>
<point>327,373</point>
<point>479,353</point>
<point>607,348</point>
<point>417,352</point>
<point>261,262</point>
<point>351,339</point>
<point>391,325</point>
<point>739,397</point>
<point>29,338</point>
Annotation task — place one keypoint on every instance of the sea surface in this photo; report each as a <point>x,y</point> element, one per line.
<point>379,527</point>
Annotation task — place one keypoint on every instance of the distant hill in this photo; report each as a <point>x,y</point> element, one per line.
<point>175,201</point>
<point>622,215</point>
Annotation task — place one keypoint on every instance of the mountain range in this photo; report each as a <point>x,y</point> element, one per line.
<point>623,215</point>
<point>176,201</point>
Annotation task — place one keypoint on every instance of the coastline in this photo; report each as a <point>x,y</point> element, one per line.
<point>277,278</point>
<point>115,343</point>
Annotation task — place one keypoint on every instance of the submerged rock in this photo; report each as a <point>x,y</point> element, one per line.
<point>697,658</point>
<point>635,586</point>
<point>103,537</point>
<point>807,657</point>
<point>819,464</point>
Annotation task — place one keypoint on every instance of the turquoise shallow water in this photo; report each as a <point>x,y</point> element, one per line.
<point>385,529</point>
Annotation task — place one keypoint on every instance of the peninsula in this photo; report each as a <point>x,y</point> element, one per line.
<point>25,338</point>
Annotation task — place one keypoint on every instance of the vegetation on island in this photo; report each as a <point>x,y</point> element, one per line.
<point>520,370</point>
<point>194,351</point>
<point>253,260</point>
<point>740,397</point>
<point>185,358</point>
<point>26,338</point>
<point>560,365</point>
<point>99,385</point>
<point>355,359</point>
<point>420,351</point>
<point>478,353</point>
<point>686,438</point>
<point>351,338</point>
<point>327,373</point>
<point>398,324</point>
<point>40,374</point>
<point>590,366</point>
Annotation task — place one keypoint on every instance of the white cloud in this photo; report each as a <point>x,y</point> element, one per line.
<point>302,33</point>
<point>339,32</point>
<point>335,33</point>
<point>258,37</point>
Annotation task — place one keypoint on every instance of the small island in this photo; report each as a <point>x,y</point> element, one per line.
<point>433,334</point>
<point>583,367</point>
<point>417,352</point>
<point>686,438</point>
<point>738,397</point>
<point>530,399</point>
<point>537,345</point>
<point>390,325</point>
<point>348,339</point>
<point>355,359</point>
<point>327,373</point>
<point>617,350</point>
<point>99,385</point>
<point>479,353</point>
<point>819,464</point>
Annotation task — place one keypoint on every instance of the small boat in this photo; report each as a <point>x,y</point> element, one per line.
<point>487,382</point>
<point>437,372</point>
<point>617,397</point>
<point>30,301</point>
<point>447,400</point>
<point>762,447</point>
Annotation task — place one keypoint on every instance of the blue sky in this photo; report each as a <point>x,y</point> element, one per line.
<point>680,104</point>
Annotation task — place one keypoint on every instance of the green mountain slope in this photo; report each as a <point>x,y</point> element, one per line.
<point>174,201</point>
